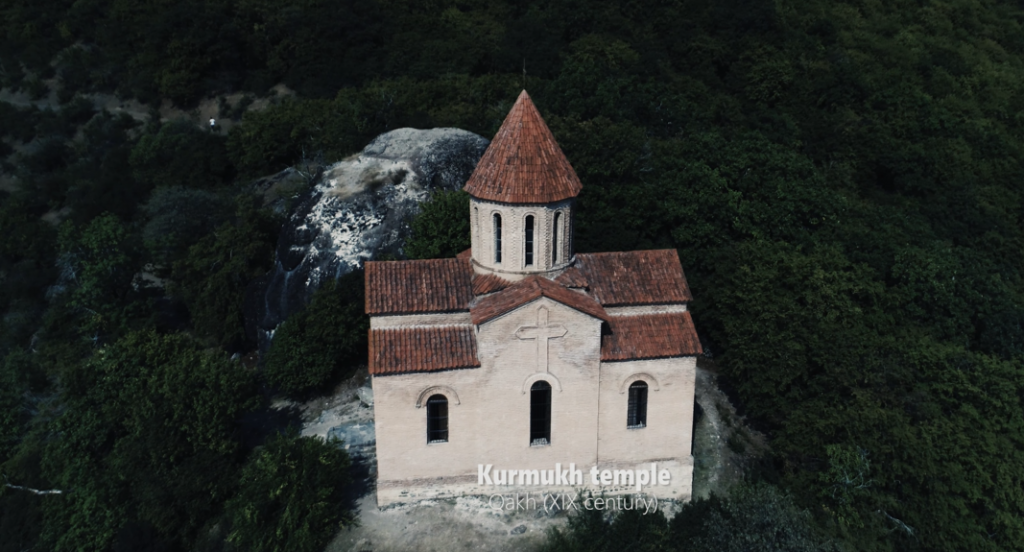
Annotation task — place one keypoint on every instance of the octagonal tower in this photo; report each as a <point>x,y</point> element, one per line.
<point>522,195</point>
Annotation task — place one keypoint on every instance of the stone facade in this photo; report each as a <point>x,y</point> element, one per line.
<point>589,326</point>
<point>549,238</point>
<point>489,409</point>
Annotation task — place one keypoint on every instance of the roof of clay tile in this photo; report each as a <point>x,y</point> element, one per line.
<point>650,336</point>
<point>572,278</point>
<point>530,289</point>
<point>634,277</point>
<point>413,287</point>
<point>523,164</point>
<point>422,349</point>
<point>488,283</point>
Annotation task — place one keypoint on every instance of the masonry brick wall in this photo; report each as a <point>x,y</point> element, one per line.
<point>513,232</point>
<point>489,410</point>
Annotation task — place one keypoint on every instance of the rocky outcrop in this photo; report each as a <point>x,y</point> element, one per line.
<point>359,209</point>
<point>358,438</point>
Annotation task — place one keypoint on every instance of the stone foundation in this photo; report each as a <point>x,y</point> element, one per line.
<point>390,492</point>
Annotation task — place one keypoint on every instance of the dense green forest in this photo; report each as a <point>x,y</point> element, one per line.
<point>843,182</point>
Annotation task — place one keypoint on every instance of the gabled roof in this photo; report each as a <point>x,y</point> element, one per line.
<point>523,164</point>
<point>631,277</point>
<point>417,287</point>
<point>449,285</point>
<point>650,336</point>
<point>530,289</point>
<point>422,349</point>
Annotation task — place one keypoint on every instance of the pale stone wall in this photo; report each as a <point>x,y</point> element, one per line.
<point>489,408</point>
<point>490,424</point>
<point>669,432</point>
<point>513,223</point>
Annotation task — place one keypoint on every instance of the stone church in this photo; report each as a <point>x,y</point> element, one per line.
<point>521,354</point>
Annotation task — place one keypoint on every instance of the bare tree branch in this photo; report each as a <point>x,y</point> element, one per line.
<point>899,524</point>
<point>33,491</point>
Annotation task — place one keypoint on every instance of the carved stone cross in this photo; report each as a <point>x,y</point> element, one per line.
<point>542,332</point>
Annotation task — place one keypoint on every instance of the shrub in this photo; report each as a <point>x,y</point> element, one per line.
<point>178,218</point>
<point>442,227</point>
<point>12,411</point>
<point>181,154</point>
<point>322,342</point>
<point>290,496</point>
<point>212,277</point>
<point>760,518</point>
<point>102,259</point>
<point>147,442</point>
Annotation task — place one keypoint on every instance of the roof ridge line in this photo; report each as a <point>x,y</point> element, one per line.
<point>416,326</point>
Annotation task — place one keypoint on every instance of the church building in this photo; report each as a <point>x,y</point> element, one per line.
<point>521,354</point>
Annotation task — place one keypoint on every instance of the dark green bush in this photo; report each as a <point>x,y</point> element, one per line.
<point>441,229</point>
<point>178,217</point>
<point>290,496</point>
<point>759,518</point>
<point>322,343</point>
<point>753,518</point>
<point>181,154</point>
<point>102,259</point>
<point>212,277</point>
<point>13,409</point>
<point>147,440</point>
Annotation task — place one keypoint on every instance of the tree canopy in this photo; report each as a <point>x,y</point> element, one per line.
<point>840,179</point>
<point>324,342</point>
<point>146,443</point>
<point>291,497</point>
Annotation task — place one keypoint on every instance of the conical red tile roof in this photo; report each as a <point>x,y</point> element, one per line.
<point>523,164</point>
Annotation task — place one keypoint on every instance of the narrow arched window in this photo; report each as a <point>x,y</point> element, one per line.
<point>554,238</point>
<point>540,413</point>
<point>497,238</point>
<point>529,240</point>
<point>636,414</point>
<point>437,419</point>
<point>569,232</point>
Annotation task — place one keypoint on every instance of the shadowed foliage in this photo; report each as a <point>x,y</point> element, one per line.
<point>841,181</point>
<point>291,495</point>
<point>322,343</point>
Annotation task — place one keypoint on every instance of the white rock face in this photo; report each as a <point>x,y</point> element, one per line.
<point>360,209</point>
